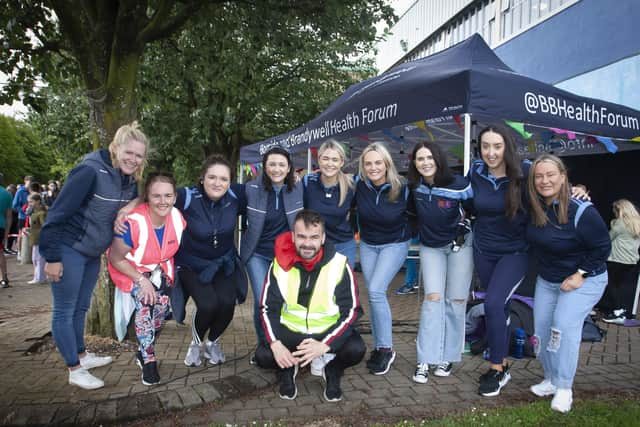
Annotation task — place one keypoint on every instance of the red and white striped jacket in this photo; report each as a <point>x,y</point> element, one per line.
<point>147,253</point>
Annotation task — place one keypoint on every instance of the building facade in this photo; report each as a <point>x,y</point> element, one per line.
<point>589,47</point>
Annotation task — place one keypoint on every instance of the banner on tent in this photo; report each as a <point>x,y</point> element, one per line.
<point>367,116</point>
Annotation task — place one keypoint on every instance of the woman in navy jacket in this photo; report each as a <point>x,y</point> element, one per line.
<point>330,192</point>
<point>446,258</point>
<point>498,181</point>
<point>273,200</point>
<point>571,243</point>
<point>381,200</point>
<point>208,267</point>
<point>78,229</point>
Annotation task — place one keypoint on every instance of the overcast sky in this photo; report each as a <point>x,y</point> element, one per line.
<point>18,110</point>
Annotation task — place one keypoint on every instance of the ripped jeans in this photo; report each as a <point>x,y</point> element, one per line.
<point>447,274</point>
<point>558,318</point>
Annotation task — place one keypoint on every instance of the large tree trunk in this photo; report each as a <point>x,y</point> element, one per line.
<point>110,110</point>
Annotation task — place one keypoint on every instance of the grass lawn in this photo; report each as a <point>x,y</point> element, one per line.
<point>612,411</point>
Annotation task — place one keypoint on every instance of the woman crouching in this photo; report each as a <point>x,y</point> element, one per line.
<point>141,264</point>
<point>571,243</point>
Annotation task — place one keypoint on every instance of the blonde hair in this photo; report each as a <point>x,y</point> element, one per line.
<point>392,176</point>
<point>624,210</point>
<point>538,213</point>
<point>124,134</point>
<point>345,181</point>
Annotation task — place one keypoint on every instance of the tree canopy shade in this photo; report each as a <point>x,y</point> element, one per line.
<point>242,73</point>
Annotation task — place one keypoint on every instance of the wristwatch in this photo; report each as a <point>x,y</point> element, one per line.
<point>583,273</point>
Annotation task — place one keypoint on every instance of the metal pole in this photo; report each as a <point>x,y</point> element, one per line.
<point>467,142</point>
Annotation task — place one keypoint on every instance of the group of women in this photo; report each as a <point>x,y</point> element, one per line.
<point>515,205</point>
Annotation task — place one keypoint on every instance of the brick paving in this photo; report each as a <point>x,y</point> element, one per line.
<point>34,388</point>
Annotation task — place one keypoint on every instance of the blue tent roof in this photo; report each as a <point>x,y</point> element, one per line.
<point>425,98</point>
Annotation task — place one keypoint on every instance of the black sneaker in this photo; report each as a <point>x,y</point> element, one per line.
<point>616,317</point>
<point>492,382</point>
<point>332,390</point>
<point>150,375</point>
<point>443,370</point>
<point>385,360</point>
<point>288,389</point>
<point>374,358</point>
<point>139,359</point>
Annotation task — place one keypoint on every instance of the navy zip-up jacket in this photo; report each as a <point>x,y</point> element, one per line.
<point>561,249</point>
<point>381,221</point>
<point>324,200</point>
<point>493,232</point>
<point>210,231</point>
<point>84,212</point>
<point>439,210</point>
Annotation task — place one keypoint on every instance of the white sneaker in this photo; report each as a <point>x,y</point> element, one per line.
<point>90,361</point>
<point>318,364</point>
<point>545,388</point>
<point>193,355</point>
<point>213,352</point>
<point>422,373</point>
<point>83,379</point>
<point>443,370</point>
<point>562,400</point>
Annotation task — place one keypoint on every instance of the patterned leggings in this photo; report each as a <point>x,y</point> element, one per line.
<point>149,320</point>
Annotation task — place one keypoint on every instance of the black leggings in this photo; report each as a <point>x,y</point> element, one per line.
<point>350,354</point>
<point>621,290</point>
<point>215,303</point>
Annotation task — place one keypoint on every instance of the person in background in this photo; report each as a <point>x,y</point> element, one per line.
<point>571,243</point>
<point>209,270</point>
<point>19,203</point>
<point>51,193</point>
<point>13,230</point>
<point>5,226</point>
<point>381,200</point>
<point>308,308</point>
<point>37,216</point>
<point>78,229</point>
<point>273,200</point>
<point>411,285</point>
<point>141,264</point>
<point>622,264</point>
<point>330,192</point>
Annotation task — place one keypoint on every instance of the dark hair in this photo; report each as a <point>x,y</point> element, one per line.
<point>158,177</point>
<point>212,160</point>
<point>35,187</point>
<point>35,197</point>
<point>443,176</point>
<point>513,198</point>
<point>310,218</point>
<point>289,180</point>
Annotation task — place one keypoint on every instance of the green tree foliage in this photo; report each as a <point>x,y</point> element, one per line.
<point>22,152</point>
<point>243,72</point>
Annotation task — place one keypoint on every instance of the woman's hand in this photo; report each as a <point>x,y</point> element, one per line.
<point>53,271</point>
<point>119,225</point>
<point>572,282</point>
<point>147,291</point>
<point>580,192</point>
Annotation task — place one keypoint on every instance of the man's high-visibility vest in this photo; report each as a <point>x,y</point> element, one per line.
<point>323,312</point>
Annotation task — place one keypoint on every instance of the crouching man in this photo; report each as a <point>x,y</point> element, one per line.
<point>308,309</point>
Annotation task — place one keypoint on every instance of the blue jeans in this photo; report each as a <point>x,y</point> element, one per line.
<point>380,264</point>
<point>347,249</point>
<point>71,300</point>
<point>411,266</point>
<point>558,318</point>
<point>257,268</point>
<point>442,320</point>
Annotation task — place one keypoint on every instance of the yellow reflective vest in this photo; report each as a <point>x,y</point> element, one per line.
<point>322,312</point>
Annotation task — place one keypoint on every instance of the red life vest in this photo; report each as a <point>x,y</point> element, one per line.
<point>146,253</point>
